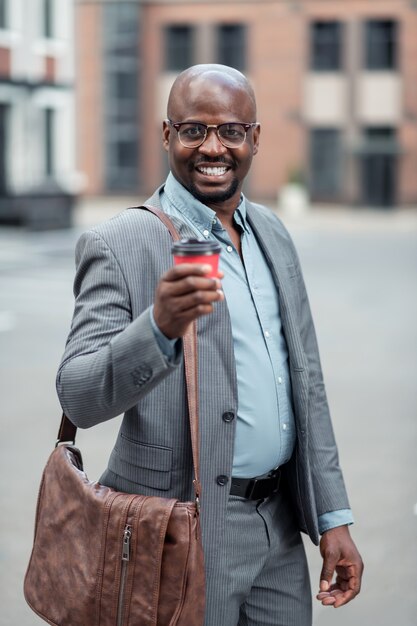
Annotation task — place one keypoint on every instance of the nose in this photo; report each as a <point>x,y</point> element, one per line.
<point>212,144</point>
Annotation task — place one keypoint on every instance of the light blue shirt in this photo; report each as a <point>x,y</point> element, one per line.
<point>265,428</point>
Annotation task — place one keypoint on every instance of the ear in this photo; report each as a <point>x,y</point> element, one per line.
<point>166,131</point>
<point>256,133</point>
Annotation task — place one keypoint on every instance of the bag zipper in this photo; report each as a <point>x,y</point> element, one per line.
<point>127,533</point>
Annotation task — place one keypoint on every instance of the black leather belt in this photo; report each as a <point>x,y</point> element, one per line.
<point>256,488</point>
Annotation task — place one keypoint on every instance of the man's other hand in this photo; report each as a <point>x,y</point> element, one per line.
<point>340,557</point>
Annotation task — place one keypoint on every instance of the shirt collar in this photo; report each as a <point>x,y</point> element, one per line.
<point>203,218</point>
<point>240,214</point>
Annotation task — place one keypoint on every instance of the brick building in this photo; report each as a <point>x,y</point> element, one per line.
<point>336,84</point>
<point>37,126</point>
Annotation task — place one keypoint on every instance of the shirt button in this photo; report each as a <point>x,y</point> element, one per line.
<point>280,380</point>
<point>222,480</point>
<point>267,333</point>
<point>228,416</point>
<point>214,220</point>
<point>284,427</point>
<point>206,233</point>
<point>229,249</point>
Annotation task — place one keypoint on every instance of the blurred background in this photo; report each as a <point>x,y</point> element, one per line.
<point>84,84</point>
<point>83,90</point>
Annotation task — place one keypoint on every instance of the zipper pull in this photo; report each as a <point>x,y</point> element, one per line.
<point>127,533</point>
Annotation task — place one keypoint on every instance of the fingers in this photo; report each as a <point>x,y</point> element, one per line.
<point>348,584</point>
<point>198,300</point>
<point>346,587</point>
<point>328,598</point>
<point>184,293</point>
<point>330,560</point>
<point>335,597</point>
<point>187,284</point>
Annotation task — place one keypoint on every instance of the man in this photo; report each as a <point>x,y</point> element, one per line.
<point>269,462</point>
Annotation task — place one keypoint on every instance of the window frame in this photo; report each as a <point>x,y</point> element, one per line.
<point>317,44</point>
<point>177,57</point>
<point>232,54</point>
<point>332,188</point>
<point>123,133</point>
<point>371,62</point>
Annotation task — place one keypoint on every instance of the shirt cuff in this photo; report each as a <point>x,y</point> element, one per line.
<point>167,346</point>
<point>335,518</point>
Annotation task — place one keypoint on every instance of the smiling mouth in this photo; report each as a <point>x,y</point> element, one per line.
<point>219,170</point>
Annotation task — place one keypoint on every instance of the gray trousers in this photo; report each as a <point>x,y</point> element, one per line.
<point>259,576</point>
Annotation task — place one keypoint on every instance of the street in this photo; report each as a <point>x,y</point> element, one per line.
<point>361,274</point>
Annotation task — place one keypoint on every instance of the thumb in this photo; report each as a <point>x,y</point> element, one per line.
<point>330,560</point>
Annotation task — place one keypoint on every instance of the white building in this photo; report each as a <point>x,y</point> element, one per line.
<point>37,126</point>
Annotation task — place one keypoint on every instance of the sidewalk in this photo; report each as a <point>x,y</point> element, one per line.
<point>91,211</point>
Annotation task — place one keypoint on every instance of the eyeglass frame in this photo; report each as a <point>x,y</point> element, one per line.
<point>246,127</point>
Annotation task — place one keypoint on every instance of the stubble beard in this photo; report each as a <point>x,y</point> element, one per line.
<point>214,196</point>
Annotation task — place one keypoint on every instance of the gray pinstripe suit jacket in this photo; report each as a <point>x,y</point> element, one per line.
<point>112,365</point>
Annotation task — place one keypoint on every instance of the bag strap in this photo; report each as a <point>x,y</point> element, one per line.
<point>67,430</point>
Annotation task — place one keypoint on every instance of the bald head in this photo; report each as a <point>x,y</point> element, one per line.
<point>211,96</point>
<point>219,78</point>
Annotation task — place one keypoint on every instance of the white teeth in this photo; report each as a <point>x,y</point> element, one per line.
<point>213,171</point>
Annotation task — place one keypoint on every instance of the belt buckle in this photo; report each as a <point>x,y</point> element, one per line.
<point>250,489</point>
<point>258,483</point>
<point>268,488</point>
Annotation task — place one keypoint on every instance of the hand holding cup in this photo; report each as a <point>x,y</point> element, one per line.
<point>190,288</point>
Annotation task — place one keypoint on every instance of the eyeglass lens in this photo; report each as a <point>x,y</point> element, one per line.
<point>193,135</point>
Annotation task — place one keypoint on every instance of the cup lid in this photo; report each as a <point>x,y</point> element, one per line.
<point>185,247</point>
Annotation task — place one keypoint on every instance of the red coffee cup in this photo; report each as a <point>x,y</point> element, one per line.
<point>197,251</point>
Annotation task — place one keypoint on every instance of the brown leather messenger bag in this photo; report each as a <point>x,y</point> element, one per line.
<point>105,558</point>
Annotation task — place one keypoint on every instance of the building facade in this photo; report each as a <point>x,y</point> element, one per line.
<point>37,123</point>
<point>336,85</point>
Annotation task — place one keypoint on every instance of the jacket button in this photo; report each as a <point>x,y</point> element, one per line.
<point>141,375</point>
<point>229,416</point>
<point>222,480</point>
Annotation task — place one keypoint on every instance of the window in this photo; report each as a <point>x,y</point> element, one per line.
<point>49,141</point>
<point>380,135</point>
<point>232,45</point>
<point>379,166</point>
<point>325,163</point>
<point>3,14</point>
<point>48,18</point>
<point>179,44</point>
<point>126,153</point>
<point>122,132</point>
<point>381,44</point>
<point>125,87</point>
<point>326,46</point>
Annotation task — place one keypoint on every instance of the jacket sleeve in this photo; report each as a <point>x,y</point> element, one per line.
<point>110,360</point>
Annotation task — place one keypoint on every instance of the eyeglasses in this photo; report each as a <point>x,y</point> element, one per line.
<point>194,134</point>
